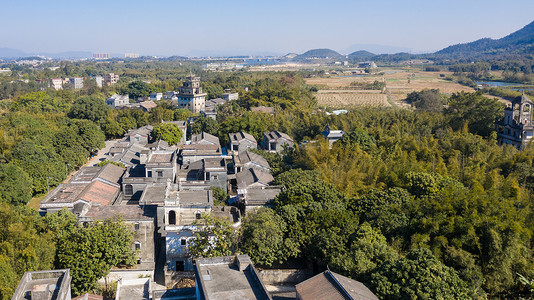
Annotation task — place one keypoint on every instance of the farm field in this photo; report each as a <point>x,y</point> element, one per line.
<point>348,98</point>
<point>335,91</point>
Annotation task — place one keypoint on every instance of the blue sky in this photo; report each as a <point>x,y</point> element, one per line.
<point>164,27</point>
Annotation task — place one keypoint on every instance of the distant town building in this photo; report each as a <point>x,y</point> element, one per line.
<point>118,100</point>
<point>516,128</point>
<point>228,96</point>
<point>111,79</point>
<point>101,55</point>
<point>131,55</point>
<point>99,79</point>
<point>56,83</point>
<point>367,64</point>
<point>190,95</point>
<point>77,82</point>
<point>156,96</point>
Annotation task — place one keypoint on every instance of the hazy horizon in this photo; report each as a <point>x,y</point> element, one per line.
<point>242,28</point>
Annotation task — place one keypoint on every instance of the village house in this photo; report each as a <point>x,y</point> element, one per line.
<point>332,135</point>
<point>330,285</point>
<point>241,141</point>
<point>141,220</point>
<point>275,141</point>
<point>118,100</point>
<point>252,178</point>
<point>140,135</point>
<point>228,277</point>
<point>246,160</point>
<point>203,145</point>
<point>207,172</point>
<point>91,186</point>
<point>51,284</point>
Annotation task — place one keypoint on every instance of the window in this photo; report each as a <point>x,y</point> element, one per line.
<point>137,246</point>
<point>172,217</point>
<point>180,265</point>
<point>128,189</point>
<point>149,174</point>
<point>198,216</point>
<point>183,242</point>
<point>136,226</point>
<point>160,173</point>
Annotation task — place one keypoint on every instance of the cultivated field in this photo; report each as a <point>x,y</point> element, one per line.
<point>351,98</point>
<point>335,91</point>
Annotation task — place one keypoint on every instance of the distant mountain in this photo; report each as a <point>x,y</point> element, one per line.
<point>15,53</point>
<point>520,42</point>
<point>318,54</point>
<point>380,49</point>
<point>361,55</point>
<point>11,53</point>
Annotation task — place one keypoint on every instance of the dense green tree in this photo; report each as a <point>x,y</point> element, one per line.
<point>367,251</point>
<point>8,278</point>
<point>214,237</point>
<point>24,246</point>
<point>15,185</point>
<point>357,137</point>
<point>429,100</point>
<point>204,125</point>
<point>89,108</point>
<point>168,132</point>
<point>220,195</point>
<point>137,89</point>
<point>262,237</point>
<point>182,114</point>
<point>385,210</point>
<point>474,110</point>
<point>90,252</point>
<point>418,276</point>
<point>45,167</point>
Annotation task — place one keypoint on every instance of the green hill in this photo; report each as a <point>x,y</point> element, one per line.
<point>361,55</point>
<point>520,42</point>
<point>318,54</point>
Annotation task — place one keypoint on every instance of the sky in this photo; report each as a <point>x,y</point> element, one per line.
<point>248,27</point>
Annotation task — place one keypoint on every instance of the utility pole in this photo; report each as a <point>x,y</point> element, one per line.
<point>66,171</point>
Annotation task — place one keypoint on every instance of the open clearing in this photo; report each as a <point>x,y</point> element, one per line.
<point>335,91</point>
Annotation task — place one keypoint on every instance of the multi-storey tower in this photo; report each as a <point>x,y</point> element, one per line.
<point>190,95</point>
<point>517,127</point>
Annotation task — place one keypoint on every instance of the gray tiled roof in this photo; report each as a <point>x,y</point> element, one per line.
<point>247,156</point>
<point>239,136</point>
<point>204,138</point>
<point>248,177</point>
